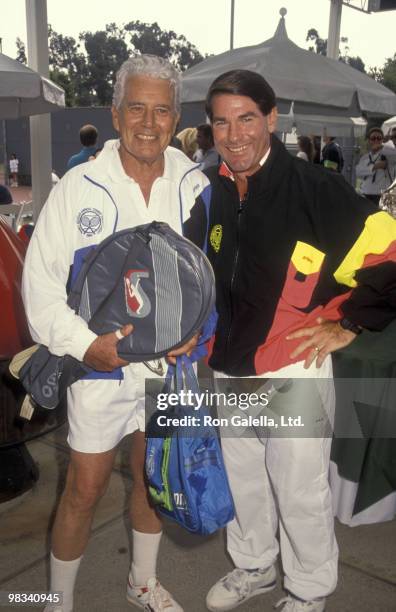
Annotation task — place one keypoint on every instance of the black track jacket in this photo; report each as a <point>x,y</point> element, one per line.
<point>302,244</point>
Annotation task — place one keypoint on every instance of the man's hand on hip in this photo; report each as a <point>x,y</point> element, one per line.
<point>102,353</point>
<point>322,339</point>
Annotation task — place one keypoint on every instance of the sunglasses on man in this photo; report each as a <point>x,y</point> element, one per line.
<point>373,138</point>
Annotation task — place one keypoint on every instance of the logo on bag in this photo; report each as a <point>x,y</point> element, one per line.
<point>180,501</point>
<point>90,222</point>
<point>50,387</point>
<point>215,237</point>
<point>137,301</point>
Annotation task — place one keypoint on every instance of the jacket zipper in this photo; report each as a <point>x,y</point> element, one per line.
<point>242,204</point>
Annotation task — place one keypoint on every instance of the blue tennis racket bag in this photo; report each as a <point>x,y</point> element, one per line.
<point>147,275</point>
<point>184,465</point>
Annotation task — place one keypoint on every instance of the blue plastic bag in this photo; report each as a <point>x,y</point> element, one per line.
<point>186,474</point>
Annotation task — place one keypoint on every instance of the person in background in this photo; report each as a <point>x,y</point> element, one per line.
<point>306,150</point>
<point>14,167</point>
<point>391,139</point>
<point>188,139</point>
<point>377,167</point>
<point>206,155</point>
<point>5,195</point>
<point>332,157</point>
<point>88,139</point>
<point>316,140</point>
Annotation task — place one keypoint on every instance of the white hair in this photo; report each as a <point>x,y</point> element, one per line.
<point>147,65</point>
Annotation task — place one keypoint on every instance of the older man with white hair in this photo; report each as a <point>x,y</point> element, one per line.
<point>135,180</point>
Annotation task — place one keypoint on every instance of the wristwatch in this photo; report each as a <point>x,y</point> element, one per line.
<point>347,324</point>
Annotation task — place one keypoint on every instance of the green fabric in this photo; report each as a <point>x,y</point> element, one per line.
<point>370,461</point>
<point>165,497</point>
<point>374,346</point>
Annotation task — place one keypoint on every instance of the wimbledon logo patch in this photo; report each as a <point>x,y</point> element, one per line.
<point>215,237</point>
<point>90,222</point>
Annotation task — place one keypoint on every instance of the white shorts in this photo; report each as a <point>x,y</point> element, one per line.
<point>102,412</point>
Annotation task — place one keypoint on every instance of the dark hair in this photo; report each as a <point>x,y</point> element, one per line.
<point>306,145</point>
<point>206,130</point>
<point>375,130</point>
<point>5,195</point>
<point>242,83</point>
<point>88,135</point>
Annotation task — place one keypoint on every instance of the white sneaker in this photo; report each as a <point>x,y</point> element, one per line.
<point>238,586</point>
<point>152,598</point>
<point>291,604</point>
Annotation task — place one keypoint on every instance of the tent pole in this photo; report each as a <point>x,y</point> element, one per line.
<point>232,25</point>
<point>333,40</point>
<point>40,125</point>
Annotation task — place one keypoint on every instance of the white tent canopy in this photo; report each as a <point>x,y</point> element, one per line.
<point>333,126</point>
<point>24,92</point>
<point>389,124</point>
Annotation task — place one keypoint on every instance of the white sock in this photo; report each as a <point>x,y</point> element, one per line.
<point>144,556</point>
<point>63,577</point>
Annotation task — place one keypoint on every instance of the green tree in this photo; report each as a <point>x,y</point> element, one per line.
<point>62,79</point>
<point>320,46</point>
<point>68,68</point>
<point>357,62</point>
<point>105,52</point>
<point>149,38</point>
<point>387,74</point>
<point>87,68</point>
<point>21,51</point>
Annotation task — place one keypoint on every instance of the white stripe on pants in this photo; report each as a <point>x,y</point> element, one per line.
<point>284,482</point>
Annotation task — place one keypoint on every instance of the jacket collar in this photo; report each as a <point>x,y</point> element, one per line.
<point>272,172</point>
<point>225,170</point>
<point>108,167</point>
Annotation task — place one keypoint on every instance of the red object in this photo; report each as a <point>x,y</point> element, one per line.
<point>25,233</point>
<point>14,333</point>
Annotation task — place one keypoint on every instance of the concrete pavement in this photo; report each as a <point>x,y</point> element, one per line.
<point>188,564</point>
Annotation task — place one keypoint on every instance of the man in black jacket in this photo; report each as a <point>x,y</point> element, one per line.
<point>302,264</point>
<point>332,157</point>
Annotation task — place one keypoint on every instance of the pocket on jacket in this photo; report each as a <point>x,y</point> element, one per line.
<point>302,275</point>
